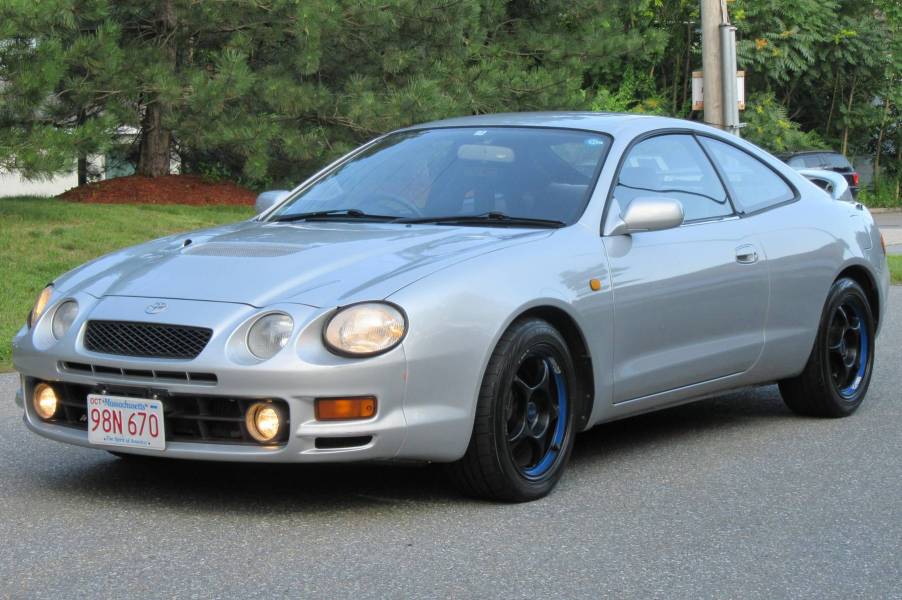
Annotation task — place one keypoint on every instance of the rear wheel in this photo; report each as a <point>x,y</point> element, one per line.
<point>838,372</point>
<point>523,431</point>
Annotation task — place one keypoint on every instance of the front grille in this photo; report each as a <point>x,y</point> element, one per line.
<point>148,340</point>
<point>189,418</point>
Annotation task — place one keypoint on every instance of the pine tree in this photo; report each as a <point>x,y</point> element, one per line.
<point>270,89</point>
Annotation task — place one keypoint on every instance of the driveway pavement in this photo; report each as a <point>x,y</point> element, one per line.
<point>891,226</point>
<point>732,497</point>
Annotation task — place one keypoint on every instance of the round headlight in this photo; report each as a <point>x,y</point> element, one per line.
<point>45,401</point>
<point>269,335</point>
<point>63,317</point>
<point>365,329</point>
<point>39,305</point>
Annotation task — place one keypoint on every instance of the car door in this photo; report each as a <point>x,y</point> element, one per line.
<point>690,302</point>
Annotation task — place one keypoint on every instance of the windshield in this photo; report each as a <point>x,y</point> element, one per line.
<point>524,173</point>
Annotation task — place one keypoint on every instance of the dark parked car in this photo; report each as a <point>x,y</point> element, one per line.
<point>824,159</point>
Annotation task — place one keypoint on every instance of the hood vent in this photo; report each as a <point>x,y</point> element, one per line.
<point>241,250</point>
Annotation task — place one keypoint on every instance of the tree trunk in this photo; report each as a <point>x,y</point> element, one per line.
<point>880,142</point>
<point>832,105</point>
<point>153,155</point>
<point>82,163</point>
<point>687,73</point>
<point>845,131</point>
<point>82,170</point>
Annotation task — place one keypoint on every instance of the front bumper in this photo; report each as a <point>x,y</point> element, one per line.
<point>298,375</point>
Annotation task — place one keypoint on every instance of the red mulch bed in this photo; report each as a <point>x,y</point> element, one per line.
<point>168,189</point>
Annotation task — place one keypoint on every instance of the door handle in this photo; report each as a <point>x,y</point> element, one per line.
<point>746,254</point>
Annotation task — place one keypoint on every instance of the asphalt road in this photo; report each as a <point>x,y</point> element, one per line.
<point>732,497</point>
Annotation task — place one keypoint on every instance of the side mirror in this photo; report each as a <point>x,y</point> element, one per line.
<point>267,200</point>
<point>648,214</point>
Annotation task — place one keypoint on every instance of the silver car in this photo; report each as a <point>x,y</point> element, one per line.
<point>473,292</point>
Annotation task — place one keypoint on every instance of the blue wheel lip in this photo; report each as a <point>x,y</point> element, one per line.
<point>863,356</point>
<point>560,430</point>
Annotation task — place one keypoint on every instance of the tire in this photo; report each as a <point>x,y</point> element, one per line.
<point>838,372</point>
<point>524,426</point>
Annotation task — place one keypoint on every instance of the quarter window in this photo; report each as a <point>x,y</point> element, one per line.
<point>754,185</point>
<point>673,166</point>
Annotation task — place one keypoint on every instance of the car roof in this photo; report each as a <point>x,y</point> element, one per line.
<point>610,123</point>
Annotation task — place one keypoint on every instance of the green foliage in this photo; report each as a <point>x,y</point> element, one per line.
<point>266,92</point>
<point>884,194</point>
<point>636,93</point>
<point>768,125</point>
<point>830,63</point>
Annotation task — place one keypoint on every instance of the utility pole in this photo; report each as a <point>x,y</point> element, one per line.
<point>712,66</point>
<point>721,96</point>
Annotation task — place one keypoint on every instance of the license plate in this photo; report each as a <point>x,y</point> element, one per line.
<point>130,422</point>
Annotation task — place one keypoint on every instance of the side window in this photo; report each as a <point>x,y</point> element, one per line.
<point>754,185</point>
<point>673,166</point>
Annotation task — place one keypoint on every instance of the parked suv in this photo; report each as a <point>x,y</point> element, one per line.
<point>824,159</point>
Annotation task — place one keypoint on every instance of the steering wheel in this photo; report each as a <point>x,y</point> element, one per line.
<point>407,207</point>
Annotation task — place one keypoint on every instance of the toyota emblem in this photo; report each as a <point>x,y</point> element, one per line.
<point>155,308</point>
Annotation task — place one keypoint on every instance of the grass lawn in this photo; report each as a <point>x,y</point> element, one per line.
<point>41,239</point>
<point>895,267</point>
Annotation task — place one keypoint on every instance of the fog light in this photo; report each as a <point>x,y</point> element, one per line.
<point>263,420</point>
<point>345,409</point>
<point>45,401</point>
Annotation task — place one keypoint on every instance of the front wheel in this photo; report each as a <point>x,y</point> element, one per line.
<point>838,372</point>
<point>523,431</point>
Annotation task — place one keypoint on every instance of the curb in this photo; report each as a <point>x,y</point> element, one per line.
<point>883,211</point>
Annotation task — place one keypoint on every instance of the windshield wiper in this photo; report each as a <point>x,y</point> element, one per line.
<point>335,214</point>
<point>489,218</point>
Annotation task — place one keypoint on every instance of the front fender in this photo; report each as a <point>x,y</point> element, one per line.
<point>457,316</point>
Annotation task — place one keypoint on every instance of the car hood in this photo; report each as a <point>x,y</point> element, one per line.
<point>317,264</point>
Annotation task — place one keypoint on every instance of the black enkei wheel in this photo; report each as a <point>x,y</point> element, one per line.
<point>838,372</point>
<point>524,427</point>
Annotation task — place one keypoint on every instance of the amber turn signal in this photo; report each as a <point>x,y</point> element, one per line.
<point>345,409</point>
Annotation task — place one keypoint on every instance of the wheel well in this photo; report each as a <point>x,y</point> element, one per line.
<point>861,276</point>
<point>576,343</point>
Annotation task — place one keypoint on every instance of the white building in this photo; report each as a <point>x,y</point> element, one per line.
<point>107,166</point>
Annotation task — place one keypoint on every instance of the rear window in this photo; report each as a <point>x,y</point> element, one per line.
<point>836,161</point>
<point>812,161</point>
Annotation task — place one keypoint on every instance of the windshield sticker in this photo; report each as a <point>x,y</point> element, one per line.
<point>594,141</point>
<point>480,132</point>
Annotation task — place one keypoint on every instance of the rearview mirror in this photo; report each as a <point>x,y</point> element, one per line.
<point>267,200</point>
<point>648,214</point>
